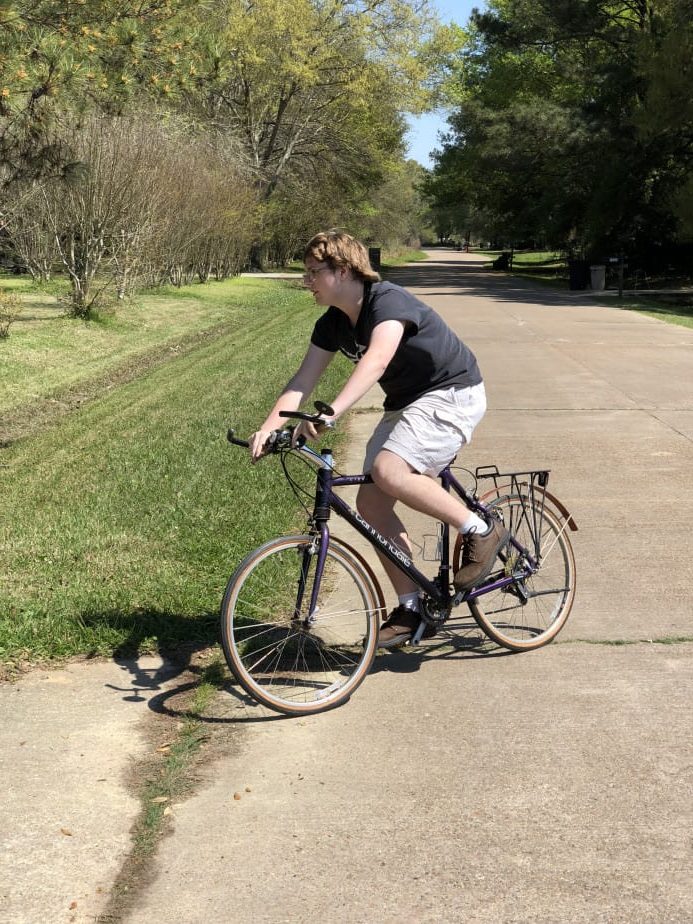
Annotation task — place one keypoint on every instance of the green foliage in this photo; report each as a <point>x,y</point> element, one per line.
<point>573,124</point>
<point>299,102</point>
<point>10,309</point>
<point>395,213</point>
<point>313,91</point>
<point>59,60</point>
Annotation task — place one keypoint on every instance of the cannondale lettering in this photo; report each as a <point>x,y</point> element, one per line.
<point>392,549</point>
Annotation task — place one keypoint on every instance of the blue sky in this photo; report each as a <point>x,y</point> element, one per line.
<point>423,131</point>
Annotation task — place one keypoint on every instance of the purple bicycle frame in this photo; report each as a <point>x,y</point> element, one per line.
<point>327,500</point>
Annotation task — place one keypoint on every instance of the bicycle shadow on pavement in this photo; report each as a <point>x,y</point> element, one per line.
<point>175,639</point>
<point>235,707</point>
<point>447,646</point>
<point>241,709</point>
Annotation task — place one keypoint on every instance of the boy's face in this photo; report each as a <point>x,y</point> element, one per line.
<point>321,280</point>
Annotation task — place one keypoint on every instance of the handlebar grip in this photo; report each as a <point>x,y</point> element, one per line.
<point>230,436</point>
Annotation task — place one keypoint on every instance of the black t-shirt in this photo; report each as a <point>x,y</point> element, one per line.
<point>429,356</point>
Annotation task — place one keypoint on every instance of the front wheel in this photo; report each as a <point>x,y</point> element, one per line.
<point>532,610</point>
<point>286,657</point>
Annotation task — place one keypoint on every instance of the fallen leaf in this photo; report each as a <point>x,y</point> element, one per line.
<point>168,810</point>
<point>248,789</point>
<point>236,796</point>
<point>66,832</point>
<point>73,905</point>
<point>159,799</point>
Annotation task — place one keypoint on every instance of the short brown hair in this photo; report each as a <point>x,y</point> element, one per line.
<point>337,249</point>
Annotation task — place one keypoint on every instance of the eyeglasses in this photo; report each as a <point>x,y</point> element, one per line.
<point>312,274</point>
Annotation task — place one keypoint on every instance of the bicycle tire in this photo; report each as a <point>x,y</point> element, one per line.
<point>279,660</point>
<point>514,622</point>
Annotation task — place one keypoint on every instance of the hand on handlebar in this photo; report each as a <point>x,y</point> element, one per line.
<point>310,430</point>
<point>310,426</point>
<point>259,444</point>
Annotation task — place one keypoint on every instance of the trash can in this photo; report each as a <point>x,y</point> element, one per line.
<point>598,277</point>
<point>579,274</point>
<point>374,258</point>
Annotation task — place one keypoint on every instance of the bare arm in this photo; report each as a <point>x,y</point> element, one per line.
<point>385,339</point>
<point>295,392</point>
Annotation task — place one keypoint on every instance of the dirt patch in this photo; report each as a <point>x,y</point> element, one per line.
<point>31,418</point>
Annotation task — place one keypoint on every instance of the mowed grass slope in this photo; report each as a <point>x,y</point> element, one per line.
<point>121,524</point>
<point>48,351</point>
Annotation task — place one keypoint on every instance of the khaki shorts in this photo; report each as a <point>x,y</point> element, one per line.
<point>429,432</point>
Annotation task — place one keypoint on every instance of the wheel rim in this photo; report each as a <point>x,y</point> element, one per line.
<point>281,659</point>
<point>509,617</point>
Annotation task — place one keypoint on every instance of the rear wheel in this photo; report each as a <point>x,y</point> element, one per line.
<point>291,660</point>
<point>532,610</point>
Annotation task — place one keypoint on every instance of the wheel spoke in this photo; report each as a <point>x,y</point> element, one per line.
<point>529,613</point>
<point>299,665</point>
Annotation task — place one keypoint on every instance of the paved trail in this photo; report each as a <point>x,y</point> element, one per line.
<point>553,786</point>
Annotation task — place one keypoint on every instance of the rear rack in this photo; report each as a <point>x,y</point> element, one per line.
<point>522,485</point>
<point>540,477</point>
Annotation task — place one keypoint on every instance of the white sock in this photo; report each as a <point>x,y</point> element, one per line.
<point>410,601</point>
<point>473,524</point>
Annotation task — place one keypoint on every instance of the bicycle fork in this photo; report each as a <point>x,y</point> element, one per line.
<point>318,546</point>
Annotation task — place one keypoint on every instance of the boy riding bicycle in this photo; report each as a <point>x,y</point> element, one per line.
<point>434,398</point>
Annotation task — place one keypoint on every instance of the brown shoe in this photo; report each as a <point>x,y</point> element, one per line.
<point>479,551</point>
<point>400,626</point>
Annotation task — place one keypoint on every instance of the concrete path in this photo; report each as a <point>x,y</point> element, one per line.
<point>553,786</point>
<point>68,740</point>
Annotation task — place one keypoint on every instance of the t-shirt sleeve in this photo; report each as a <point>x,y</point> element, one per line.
<point>325,333</point>
<point>395,306</point>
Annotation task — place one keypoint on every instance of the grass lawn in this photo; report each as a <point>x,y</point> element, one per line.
<point>402,257</point>
<point>547,267</point>
<point>122,521</point>
<point>47,352</point>
<point>674,313</point>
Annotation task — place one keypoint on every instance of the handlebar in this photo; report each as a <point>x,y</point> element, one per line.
<point>281,439</point>
<point>324,410</point>
<point>236,442</point>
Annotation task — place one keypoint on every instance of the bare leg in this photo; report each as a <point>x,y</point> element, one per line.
<point>398,480</point>
<point>378,509</point>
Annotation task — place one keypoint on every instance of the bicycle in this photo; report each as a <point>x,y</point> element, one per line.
<point>300,615</point>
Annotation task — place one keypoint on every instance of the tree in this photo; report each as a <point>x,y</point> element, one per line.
<point>313,91</point>
<point>559,129</point>
<point>61,60</point>
<point>395,214</point>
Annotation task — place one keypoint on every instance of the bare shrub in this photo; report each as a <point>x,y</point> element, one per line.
<point>30,237</point>
<point>10,309</point>
<point>205,215</point>
<point>145,203</point>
